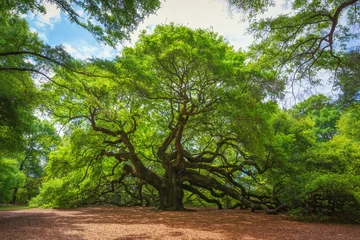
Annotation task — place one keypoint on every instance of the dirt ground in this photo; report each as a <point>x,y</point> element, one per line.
<point>147,223</point>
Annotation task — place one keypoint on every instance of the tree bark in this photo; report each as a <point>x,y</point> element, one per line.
<point>278,209</point>
<point>21,167</point>
<point>171,192</point>
<point>13,200</point>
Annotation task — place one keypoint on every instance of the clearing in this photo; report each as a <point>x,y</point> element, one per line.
<point>147,223</point>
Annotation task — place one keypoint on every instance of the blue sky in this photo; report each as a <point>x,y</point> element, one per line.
<point>54,28</point>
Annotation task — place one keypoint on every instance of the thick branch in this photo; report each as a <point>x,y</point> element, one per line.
<point>201,195</point>
<point>196,179</point>
<point>5,54</point>
<point>335,20</point>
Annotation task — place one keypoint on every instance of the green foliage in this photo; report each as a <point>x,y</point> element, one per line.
<point>314,36</point>
<point>339,155</point>
<point>317,178</point>
<point>349,122</point>
<point>332,194</point>
<point>64,172</point>
<point>78,165</point>
<point>17,101</point>
<point>108,21</point>
<point>40,140</point>
<point>323,112</point>
<point>10,177</point>
<point>251,8</point>
<point>21,174</point>
<point>23,55</point>
<point>55,193</point>
<point>214,79</point>
<point>349,80</point>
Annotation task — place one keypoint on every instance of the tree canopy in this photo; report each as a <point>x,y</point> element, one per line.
<point>22,51</point>
<point>314,36</point>
<point>109,21</point>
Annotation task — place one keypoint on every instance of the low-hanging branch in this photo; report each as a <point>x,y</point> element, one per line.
<point>201,195</point>
<point>52,60</point>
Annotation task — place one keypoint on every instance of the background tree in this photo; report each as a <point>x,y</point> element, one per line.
<point>10,176</point>
<point>315,36</point>
<point>22,51</point>
<point>39,141</point>
<point>22,168</point>
<point>349,122</point>
<point>314,174</point>
<point>17,103</point>
<point>323,112</point>
<point>108,21</point>
<point>349,80</point>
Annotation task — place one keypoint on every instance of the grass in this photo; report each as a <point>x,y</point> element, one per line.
<point>10,207</point>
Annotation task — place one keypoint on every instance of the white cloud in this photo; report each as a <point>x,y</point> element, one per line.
<point>206,14</point>
<point>51,17</point>
<point>41,35</point>
<point>199,14</point>
<point>82,50</point>
<point>108,52</point>
<point>80,12</point>
<point>69,48</point>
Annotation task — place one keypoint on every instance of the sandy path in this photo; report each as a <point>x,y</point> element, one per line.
<point>146,223</point>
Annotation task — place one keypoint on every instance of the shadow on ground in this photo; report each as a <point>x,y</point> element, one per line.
<point>147,223</point>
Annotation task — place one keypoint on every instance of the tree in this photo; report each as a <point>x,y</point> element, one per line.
<point>39,141</point>
<point>10,176</point>
<point>17,102</point>
<point>349,81</point>
<point>349,122</point>
<point>22,51</point>
<point>293,137</point>
<point>24,59</point>
<point>333,177</point>
<point>22,166</point>
<point>313,37</point>
<point>109,21</point>
<point>186,114</point>
<point>316,174</point>
<point>323,111</point>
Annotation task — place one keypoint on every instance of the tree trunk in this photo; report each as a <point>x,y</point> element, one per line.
<point>13,201</point>
<point>171,193</point>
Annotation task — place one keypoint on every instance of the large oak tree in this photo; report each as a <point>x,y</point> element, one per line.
<point>186,113</point>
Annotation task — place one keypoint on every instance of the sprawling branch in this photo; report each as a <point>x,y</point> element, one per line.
<point>335,20</point>
<point>207,182</point>
<point>97,128</point>
<point>301,42</point>
<point>201,195</point>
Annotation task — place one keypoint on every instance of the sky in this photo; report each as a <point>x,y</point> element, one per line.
<point>54,28</point>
